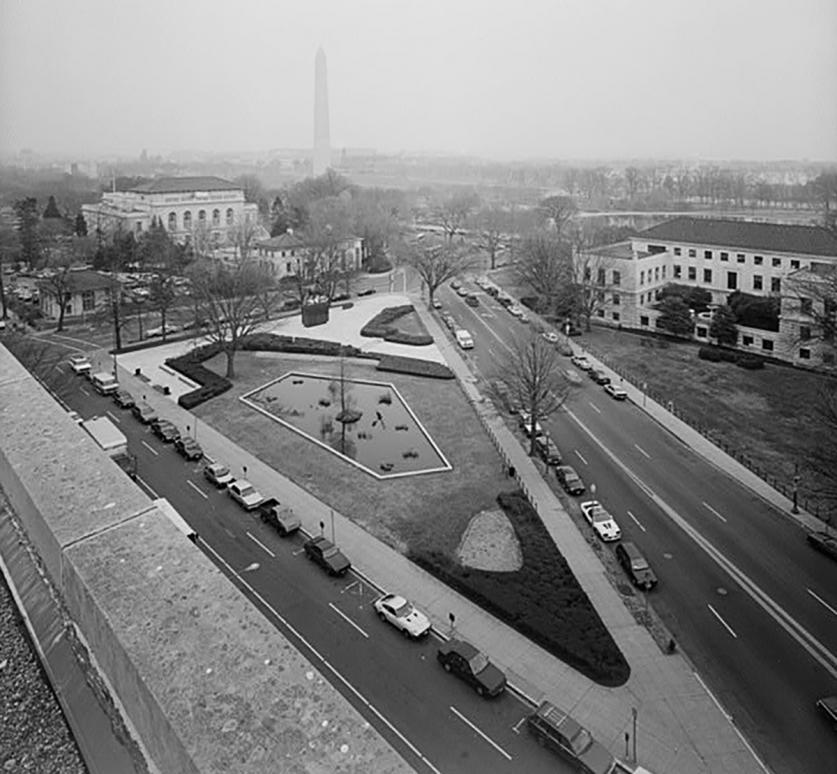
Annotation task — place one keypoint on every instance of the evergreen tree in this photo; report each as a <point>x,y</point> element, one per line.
<point>723,327</point>
<point>81,225</point>
<point>27,229</point>
<point>51,210</point>
<point>675,316</point>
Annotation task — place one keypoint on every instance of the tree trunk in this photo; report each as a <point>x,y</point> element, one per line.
<point>60,315</point>
<point>230,353</point>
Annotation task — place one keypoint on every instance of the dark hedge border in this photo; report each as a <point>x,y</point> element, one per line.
<point>414,367</point>
<point>190,365</point>
<point>720,354</point>
<point>272,342</point>
<point>413,339</point>
<point>543,600</point>
<point>379,326</point>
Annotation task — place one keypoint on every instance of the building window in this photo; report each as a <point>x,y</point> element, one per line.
<point>806,305</point>
<point>827,358</point>
<point>692,273</point>
<point>794,264</point>
<point>664,272</point>
<point>202,216</point>
<point>724,256</point>
<point>700,332</point>
<point>600,313</point>
<point>677,251</point>
<point>88,301</point>
<point>775,285</point>
<point>707,276</point>
<point>288,268</point>
<point>677,271</point>
<point>643,320</point>
<point>740,257</point>
<point>758,260</point>
<point>776,262</point>
<point>656,274</point>
<point>747,340</point>
<point>615,301</point>
<point>216,217</point>
<point>804,354</point>
<point>187,220</point>
<point>732,280</point>
<point>642,277</point>
<point>767,345</point>
<point>230,216</point>
<point>758,282</point>
<point>617,278</point>
<point>600,277</point>
<point>615,316</point>
<point>707,254</point>
<point>172,221</point>
<point>692,253</point>
<point>804,332</point>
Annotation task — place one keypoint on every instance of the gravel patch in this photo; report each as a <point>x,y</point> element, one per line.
<point>490,543</point>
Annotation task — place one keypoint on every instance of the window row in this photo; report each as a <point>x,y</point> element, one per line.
<point>758,260</point>
<point>187,218</point>
<point>657,273</point>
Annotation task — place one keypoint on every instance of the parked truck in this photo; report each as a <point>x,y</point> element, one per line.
<point>113,442</point>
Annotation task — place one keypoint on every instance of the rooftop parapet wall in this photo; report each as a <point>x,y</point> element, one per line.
<point>207,682</point>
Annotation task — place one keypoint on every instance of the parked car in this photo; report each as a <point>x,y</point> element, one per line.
<point>327,555</point>
<point>564,349</point>
<point>448,320</point>
<point>472,300</point>
<point>580,361</point>
<point>636,565</point>
<point>80,364</point>
<point>569,479</point>
<point>555,729</point>
<point>166,431</point>
<point>598,376</point>
<point>547,450</point>
<point>828,706</point>
<point>525,420</point>
<point>398,612</point>
<point>123,399</point>
<point>282,518</point>
<point>551,337</point>
<point>493,290</point>
<point>615,392</point>
<point>462,292</point>
<point>367,292</point>
<point>245,494</point>
<point>824,542</point>
<point>601,521</point>
<point>524,318</point>
<point>189,448</point>
<point>466,662</point>
<point>515,311</point>
<point>143,412</point>
<point>437,304</point>
<point>455,284</point>
<point>218,474</point>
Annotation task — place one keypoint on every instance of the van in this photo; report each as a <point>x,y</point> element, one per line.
<point>463,338</point>
<point>105,383</point>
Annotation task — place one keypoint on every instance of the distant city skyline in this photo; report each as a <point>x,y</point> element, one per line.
<point>651,79</point>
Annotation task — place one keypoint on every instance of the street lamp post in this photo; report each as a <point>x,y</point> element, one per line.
<point>796,479</point>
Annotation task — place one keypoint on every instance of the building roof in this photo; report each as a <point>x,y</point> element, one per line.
<point>82,279</point>
<point>622,250</point>
<point>291,241</point>
<point>183,184</point>
<point>769,237</point>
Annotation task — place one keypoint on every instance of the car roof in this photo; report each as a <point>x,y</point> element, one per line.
<point>464,649</point>
<point>394,600</point>
<point>630,549</point>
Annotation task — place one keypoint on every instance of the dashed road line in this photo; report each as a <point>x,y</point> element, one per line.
<point>822,601</point>
<point>151,449</point>
<point>642,451</point>
<point>259,543</point>
<point>481,733</point>
<point>113,417</point>
<point>84,391</point>
<point>726,625</point>
<point>594,407</point>
<point>578,453</point>
<point>194,486</point>
<point>637,522</point>
<point>347,619</point>
<point>713,511</point>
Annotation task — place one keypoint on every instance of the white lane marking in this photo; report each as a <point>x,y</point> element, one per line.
<point>260,544</point>
<point>196,488</point>
<point>84,391</point>
<point>580,457</point>
<point>726,625</point>
<point>642,451</point>
<point>636,521</point>
<point>153,493</point>
<point>113,417</point>
<point>516,726</point>
<point>732,723</point>
<point>594,407</point>
<point>822,601</point>
<point>812,646</point>
<point>481,733</point>
<point>360,697</point>
<point>298,551</point>
<point>347,619</point>
<point>713,511</point>
<point>151,449</point>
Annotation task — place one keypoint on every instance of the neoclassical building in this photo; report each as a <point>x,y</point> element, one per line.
<point>722,256</point>
<point>186,206</point>
<point>281,254</point>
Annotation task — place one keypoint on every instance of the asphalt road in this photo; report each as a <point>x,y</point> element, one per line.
<point>435,721</point>
<point>766,655</point>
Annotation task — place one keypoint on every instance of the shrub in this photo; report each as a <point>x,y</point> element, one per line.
<point>709,353</point>
<point>728,355</point>
<point>379,326</point>
<point>414,366</point>
<point>271,342</point>
<point>543,600</point>
<point>750,362</point>
<point>415,339</point>
<point>190,366</point>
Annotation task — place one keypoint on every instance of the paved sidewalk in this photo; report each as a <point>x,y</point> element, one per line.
<point>680,730</point>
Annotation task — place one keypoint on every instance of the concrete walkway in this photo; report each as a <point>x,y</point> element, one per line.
<point>680,729</point>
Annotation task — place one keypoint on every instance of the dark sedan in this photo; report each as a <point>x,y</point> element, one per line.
<point>165,430</point>
<point>570,480</point>
<point>189,448</point>
<point>467,663</point>
<point>123,399</point>
<point>636,566</point>
<point>327,555</point>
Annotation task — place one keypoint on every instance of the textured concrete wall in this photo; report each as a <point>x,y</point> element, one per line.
<point>207,682</point>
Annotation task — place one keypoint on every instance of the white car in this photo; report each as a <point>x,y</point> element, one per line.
<point>515,311</point>
<point>80,364</point>
<point>617,393</point>
<point>551,337</point>
<point>525,419</point>
<point>402,615</point>
<point>580,361</point>
<point>601,521</point>
<point>245,494</point>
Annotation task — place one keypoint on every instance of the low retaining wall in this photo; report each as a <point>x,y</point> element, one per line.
<point>204,682</point>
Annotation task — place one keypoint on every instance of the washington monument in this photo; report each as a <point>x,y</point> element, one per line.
<point>322,143</point>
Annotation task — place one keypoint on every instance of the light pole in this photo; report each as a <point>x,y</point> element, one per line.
<point>796,480</point>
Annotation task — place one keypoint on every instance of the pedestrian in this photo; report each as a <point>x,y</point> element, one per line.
<point>244,468</point>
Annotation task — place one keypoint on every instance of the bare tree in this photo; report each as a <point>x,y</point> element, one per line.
<point>228,302</point>
<point>59,281</point>
<point>821,453</point>
<point>544,264</point>
<point>436,261</point>
<point>490,223</point>
<point>557,212</point>
<point>452,213</point>
<point>243,235</point>
<point>533,377</point>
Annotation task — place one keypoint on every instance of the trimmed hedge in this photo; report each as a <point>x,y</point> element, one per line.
<point>750,362</point>
<point>414,367</point>
<point>413,339</point>
<point>721,354</point>
<point>271,342</point>
<point>190,366</point>
<point>542,600</point>
<point>709,353</point>
<point>379,326</point>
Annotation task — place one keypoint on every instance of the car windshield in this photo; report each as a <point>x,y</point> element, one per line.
<point>247,491</point>
<point>404,610</point>
<point>329,552</point>
<point>581,741</point>
<point>639,564</point>
<point>478,663</point>
<point>600,515</point>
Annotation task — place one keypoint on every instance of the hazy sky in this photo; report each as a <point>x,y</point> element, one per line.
<point>714,79</point>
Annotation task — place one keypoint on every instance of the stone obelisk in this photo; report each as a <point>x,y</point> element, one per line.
<point>322,142</point>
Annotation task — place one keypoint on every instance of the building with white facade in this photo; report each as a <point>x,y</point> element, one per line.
<point>188,207</point>
<point>87,292</point>
<point>721,256</point>
<point>282,254</point>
